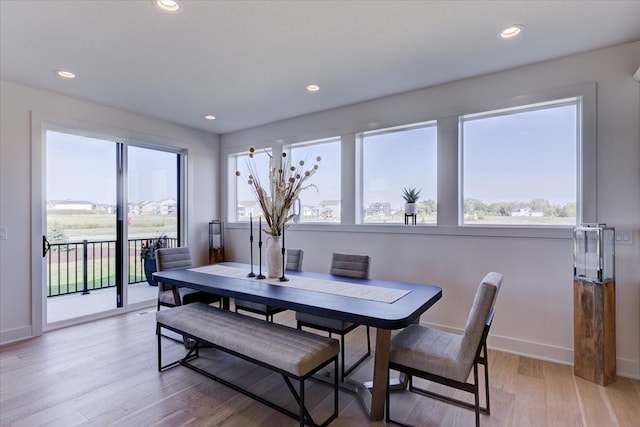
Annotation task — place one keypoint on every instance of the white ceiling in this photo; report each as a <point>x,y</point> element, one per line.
<point>248,62</point>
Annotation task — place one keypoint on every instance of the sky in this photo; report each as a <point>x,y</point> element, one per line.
<point>515,157</point>
<point>394,161</point>
<point>82,168</point>
<point>522,156</point>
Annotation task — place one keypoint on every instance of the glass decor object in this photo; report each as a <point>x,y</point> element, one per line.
<point>216,238</point>
<point>594,253</point>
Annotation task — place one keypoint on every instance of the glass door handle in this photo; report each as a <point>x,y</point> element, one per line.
<point>45,246</point>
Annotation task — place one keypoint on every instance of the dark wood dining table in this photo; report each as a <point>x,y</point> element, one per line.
<point>383,316</point>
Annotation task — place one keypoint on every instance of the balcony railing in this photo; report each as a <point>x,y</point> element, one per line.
<point>85,266</point>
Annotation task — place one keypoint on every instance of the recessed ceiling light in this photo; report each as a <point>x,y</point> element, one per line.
<point>511,31</point>
<point>313,88</point>
<point>171,6</point>
<point>210,117</point>
<point>65,74</point>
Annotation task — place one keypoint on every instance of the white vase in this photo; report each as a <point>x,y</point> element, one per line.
<point>410,208</point>
<point>274,256</point>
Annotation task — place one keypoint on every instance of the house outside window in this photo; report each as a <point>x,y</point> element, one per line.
<point>320,202</point>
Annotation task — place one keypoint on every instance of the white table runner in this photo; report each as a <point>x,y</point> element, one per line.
<point>372,293</point>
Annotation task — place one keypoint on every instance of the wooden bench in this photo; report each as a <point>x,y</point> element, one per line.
<point>290,352</point>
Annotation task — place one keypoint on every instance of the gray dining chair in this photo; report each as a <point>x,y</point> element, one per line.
<point>447,358</point>
<point>345,265</point>
<point>294,263</point>
<point>173,296</point>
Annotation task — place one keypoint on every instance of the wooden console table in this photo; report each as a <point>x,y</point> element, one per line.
<point>216,255</point>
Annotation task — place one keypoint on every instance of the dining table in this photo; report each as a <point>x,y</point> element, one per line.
<point>385,305</point>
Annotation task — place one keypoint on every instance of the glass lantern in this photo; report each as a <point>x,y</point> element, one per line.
<point>594,253</point>
<point>216,240</point>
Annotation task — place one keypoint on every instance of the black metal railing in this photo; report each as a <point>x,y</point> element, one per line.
<point>85,266</point>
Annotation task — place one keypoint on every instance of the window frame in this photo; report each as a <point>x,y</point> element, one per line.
<point>586,160</point>
<point>286,148</point>
<point>233,181</point>
<point>360,146</point>
<point>503,112</point>
<point>447,118</point>
<point>41,122</point>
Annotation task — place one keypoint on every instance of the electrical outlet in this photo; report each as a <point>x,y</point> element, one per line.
<point>624,237</point>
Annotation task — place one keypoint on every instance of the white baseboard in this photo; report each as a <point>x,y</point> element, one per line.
<point>628,368</point>
<point>625,367</point>
<point>18,334</point>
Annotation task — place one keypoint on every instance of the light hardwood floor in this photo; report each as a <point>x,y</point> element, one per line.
<point>104,373</point>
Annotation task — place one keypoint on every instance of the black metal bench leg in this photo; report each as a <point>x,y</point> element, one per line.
<point>368,342</point>
<point>302,407</point>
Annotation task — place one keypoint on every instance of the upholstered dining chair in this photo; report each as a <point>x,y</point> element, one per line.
<point>172,296</point>
<point>447,358</point>
<point>294,263</point>
<point>346,265</point>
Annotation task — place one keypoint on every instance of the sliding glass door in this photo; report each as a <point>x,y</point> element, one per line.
<point>153,211</point>
<point>106,200</point>
<point>81,221</point>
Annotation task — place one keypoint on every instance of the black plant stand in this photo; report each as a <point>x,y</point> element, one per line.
<point>410,216</point>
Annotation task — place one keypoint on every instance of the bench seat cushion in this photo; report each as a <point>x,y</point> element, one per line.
<point>291,350</point>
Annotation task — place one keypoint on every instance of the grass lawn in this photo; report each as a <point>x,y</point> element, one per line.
<point>66,265</point>
<point>76,226</point>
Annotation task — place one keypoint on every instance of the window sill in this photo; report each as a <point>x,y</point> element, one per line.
<point>535,232</point>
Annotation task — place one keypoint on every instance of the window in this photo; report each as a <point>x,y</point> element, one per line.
<point>394,159</point>
<point>321,201</point>
<point>243,200</point>
<point>519,165</point>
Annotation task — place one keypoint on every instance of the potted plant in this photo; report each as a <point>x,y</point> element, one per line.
<point>148,256</point>
<point>410,196</point>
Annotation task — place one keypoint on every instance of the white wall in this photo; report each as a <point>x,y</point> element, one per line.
<point>16,104</point>
<point>535,307</point>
